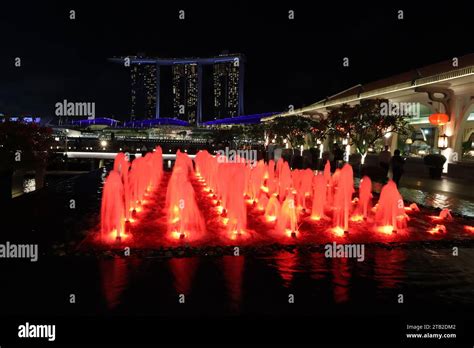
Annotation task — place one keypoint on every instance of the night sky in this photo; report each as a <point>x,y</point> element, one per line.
<point>294,62</point>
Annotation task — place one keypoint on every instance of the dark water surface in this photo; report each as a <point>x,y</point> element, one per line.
<point>238,284</point>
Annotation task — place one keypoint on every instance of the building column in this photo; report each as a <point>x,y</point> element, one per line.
<point>455,128</point>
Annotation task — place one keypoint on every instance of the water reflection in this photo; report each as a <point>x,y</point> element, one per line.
<point>425,274</point>
<point>319,268</point>
<point>233,267</point>
<point>286,264</point>
<point>388,267</point>
<point>114,279</point>
<point>438,200</point>
<point>183,270</point>
<point>340,279</point>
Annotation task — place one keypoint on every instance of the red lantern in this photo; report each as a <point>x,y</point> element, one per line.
<point>439,119</point>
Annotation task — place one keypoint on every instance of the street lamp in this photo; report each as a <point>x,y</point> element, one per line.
<point>443,142</point>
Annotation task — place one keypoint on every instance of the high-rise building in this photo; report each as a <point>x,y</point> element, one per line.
<point>187,87</point>
<point>185,92</point>
<point>143,91</point>
<point>226,76</point>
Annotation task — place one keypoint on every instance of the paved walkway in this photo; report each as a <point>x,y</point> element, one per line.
<point>453,187</point>
<point>454,194</point>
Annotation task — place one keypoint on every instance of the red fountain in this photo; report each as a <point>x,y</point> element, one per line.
<point>184,217</point>
<point>262,201</point>
<point>343,199</point>
<point>270,182</point>
<point>390,214</point>
<point>288,218</point>
<point>125,189</point>
<point>256,180</point>
<point>365,197</point>
<point>285,181</point>
<point>280,197</point>
<point>236,208</point>
<point>319,197</point>
<point>113,208</point>
<point>272,211</point>
<point>122,166</point>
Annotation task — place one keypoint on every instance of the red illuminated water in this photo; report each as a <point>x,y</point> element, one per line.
<point>125,191</point>
<point>183,214</point>
<point>113,208</point>
<point>343,188</point>
<point>390,211</point>
<point>319,197</point>
<point>210,202</point>
<point>365,197</point>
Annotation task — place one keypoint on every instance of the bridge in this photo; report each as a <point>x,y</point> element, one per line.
<point>446,87</point>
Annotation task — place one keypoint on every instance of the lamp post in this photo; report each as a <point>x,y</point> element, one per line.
<point>443,141</point>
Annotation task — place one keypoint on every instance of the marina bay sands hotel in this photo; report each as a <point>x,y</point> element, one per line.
<point>186,86</point>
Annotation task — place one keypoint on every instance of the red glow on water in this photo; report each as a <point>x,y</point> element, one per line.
<point>357,218</point>
<point>238,235</point>
<point>437,229</point>
<point>207,205</point>
<point>338,231</point>
<point>387,229</point>
<point>114,279</point>
<point>183,270</point>
<point>444,214</point>
<point>469,228</point>
<point>233,270</point>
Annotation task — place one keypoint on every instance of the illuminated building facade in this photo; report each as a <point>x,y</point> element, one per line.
<point>226,89</point>
<point>187,81</point>
<point>185,92</point>
<point>144,81</point>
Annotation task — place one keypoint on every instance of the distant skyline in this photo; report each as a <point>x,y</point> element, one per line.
<point>289,62</point>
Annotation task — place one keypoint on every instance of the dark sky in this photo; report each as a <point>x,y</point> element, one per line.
<point>294,62</point>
